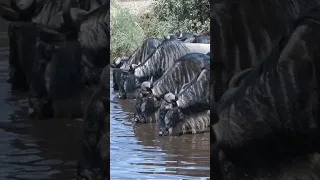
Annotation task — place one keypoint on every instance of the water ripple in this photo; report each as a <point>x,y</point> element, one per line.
<point>137,152</point>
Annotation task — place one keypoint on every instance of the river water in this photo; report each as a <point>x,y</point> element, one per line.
<point>31,149</point>
<point>137,152</point>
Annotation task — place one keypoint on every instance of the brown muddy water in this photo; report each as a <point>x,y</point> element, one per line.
<point>137,152</point>
<point>31,149</point>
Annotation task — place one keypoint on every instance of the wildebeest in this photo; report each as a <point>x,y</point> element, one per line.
<point>269,127</point>
<point>161,59</point>
<point>187,111</point>
<point>244,33</point>
<point>116,64</point>
<point>165,55</point>
<point>151,93</point>
<point>139,56</point>
<point>66,65</point>
<point>22,34</point>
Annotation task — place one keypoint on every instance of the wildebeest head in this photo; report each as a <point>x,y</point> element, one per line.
<point>146,103</point>
<point>167,114</point>
<point>58,75</point>
<point>118,61</point>
<point>127,85</point>
<point>172,121</point>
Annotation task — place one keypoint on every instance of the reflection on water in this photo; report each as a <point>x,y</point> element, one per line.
<point>138,152</point>
<point>32,149</point>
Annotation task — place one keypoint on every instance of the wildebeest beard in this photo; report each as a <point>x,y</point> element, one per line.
<point>273,118</point>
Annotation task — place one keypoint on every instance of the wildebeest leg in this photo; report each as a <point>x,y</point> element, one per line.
<point>64,79</point>
<point>115,84</point>
<point>39,105</point>
<point>13,59</point>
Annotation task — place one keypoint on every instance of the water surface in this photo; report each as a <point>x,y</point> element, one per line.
<point>137,152</point>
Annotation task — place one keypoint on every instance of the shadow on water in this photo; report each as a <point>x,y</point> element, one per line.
<point>138,152</point>
<point>32,149</point>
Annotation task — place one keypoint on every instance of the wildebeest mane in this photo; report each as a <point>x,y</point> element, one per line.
<point>142,53</point>
<point>162,58</point>
<point>180,69</point>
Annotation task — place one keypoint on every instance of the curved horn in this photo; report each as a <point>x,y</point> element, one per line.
<point>146,85</point>
<point>170,97</point>
<point>179,34</point>
<point>236,79</point>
